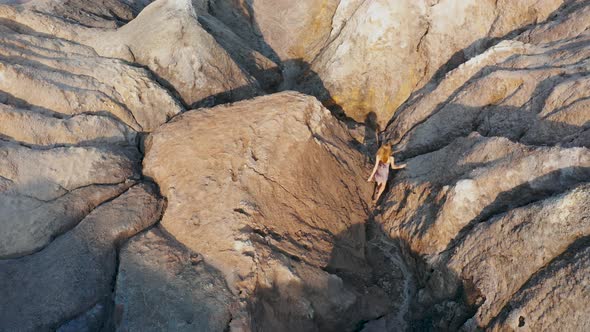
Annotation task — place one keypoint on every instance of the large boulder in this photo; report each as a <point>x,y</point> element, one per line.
<point>272,193</point>
<point>169,38</point>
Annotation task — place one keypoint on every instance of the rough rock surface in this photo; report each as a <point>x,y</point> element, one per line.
<point>371,55</point>
<point>265,206</point>
<point>98,14</point>
<point>268,224</point>
<point>70,178</point>
<point>494,201</point>
<point>191,296</point>
<point>339,51</point>
<point>61,78</point>
<point>75,271</point>
<point>192,53</point>
<point>541,303</point>
<point>169,38</point>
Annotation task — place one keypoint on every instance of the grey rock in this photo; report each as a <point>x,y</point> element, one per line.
<point>75,271</point>
<point>162,286</point>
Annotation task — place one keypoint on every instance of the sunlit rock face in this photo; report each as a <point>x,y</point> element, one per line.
<point>155,174</point>
<point>276,207</point>
<point>494,196</point>
<point>371,55</point>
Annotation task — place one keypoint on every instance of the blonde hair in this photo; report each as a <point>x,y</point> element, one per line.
<point>384,153</point>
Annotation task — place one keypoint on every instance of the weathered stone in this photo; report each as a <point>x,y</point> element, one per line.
<point>35,128</point>
<point>48,174</point>
<point>273,205</point>
<point>387,50</point>
<point>267,226</point>
<point>74,272</point>
<point>534,234</point>
<point>191,295</point>
<point>28,224</point>
<point>494,190</point>
<point>168,38</point>
<point>554,299</point>
<point>78,83</point>
<point>101,14</point>
<point>89,321</point>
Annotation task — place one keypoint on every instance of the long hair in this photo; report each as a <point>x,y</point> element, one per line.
<point>384,153</point>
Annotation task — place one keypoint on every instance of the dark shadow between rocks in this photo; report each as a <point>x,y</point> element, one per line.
<point>519,124</point>
<point>163,286</point>
<point>474,119</point>
<point>381,277</point>
<point>436,280</point>
<point>540,188</point>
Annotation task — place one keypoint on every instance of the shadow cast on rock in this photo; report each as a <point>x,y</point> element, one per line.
<point>370,281</point>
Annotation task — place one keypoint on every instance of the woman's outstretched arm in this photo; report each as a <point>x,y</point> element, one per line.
<point>393,165</point>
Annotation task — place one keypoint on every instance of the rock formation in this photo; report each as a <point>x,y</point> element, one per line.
<point>272,207</point>
<point>156,175</point>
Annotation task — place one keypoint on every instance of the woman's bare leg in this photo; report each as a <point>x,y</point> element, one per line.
<point>381,187</point>
<point>377,187</point>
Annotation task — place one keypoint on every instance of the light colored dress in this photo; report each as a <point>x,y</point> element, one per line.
<point>382,173</point>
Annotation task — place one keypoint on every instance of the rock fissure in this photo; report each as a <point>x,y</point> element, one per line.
<point>261,217</point>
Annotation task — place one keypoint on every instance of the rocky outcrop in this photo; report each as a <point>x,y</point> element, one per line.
<point>367,57</point>
<point>534,234</point>
<point>277,207</point>
<point>191,295</point>
<point>212,65</point>
<point>70,180</point>
<point>75,272</point>
<point>98,14</point>
<point>540,304</point>
<point>169,38</point>
<point>265,221</point>
<point>494,199</point>
<point>68,127</point>
<point>339,51</point>
<point>64,78</point>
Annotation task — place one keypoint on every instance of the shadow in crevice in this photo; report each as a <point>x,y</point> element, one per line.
<point>312,78</point>
<point>452,147</point>
<point>429,187</point>
<point>521,124</point>
<point>189,295</point>
<point>377,280</point>
<point>240,17</point>
<point>538,189</point>
<point>241,21</point>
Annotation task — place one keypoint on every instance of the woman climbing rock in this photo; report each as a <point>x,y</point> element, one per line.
<point>383,161</point>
